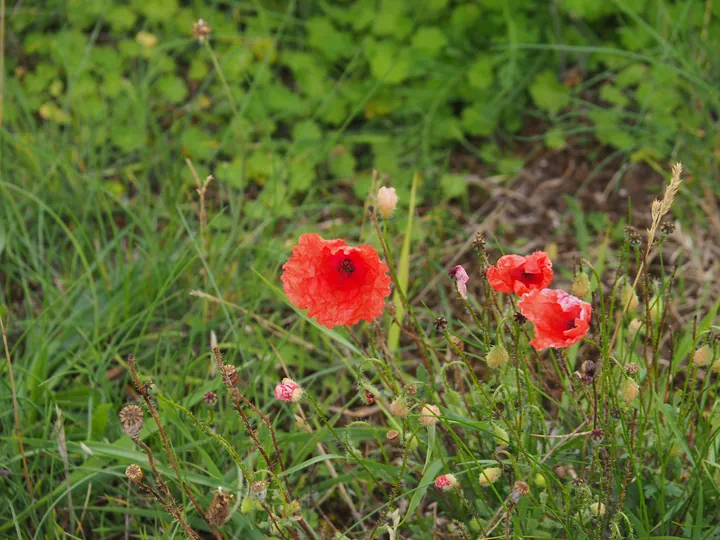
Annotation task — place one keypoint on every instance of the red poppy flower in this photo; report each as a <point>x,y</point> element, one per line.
<point>338,284</point>
<point>520,275</point>
<point>560,318</point>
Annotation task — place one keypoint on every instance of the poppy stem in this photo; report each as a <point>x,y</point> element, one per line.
<point>404,300</point>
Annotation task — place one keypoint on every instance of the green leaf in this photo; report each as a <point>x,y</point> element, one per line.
<point>341,162</point>
<point>480,74</point>
<point>121,18</point>
<point>614,95</point>
<point>672,421</point>
<point>387,63</point>
<point>324,37</point>
<point>427,479</point>
<point>430,40</point>
<point>454,185</point>
<point>548,93</point>
<point>172,88</point>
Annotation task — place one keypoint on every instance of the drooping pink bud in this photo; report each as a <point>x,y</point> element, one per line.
<point>289,391</point>
<point>446,482</point>
<point>460,276</point>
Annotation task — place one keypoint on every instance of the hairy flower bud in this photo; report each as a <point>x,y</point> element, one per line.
<point>629,298</point>
<point>387,200</point>
<point>489,476</point>
<point>581,285</point>
<point>500,435</point>
<point>702,356</point>
<point>497,356</point>
<point>210,399</point>
<point>399,408</point>
<point>597,509</point>
<point>634,327</point>
<point>429,415</point>
<point>629,390</point>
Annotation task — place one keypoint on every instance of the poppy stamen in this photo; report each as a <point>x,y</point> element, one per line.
<point>346,267</point>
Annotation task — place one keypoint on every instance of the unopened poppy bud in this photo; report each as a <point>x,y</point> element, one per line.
<point>581,285</point>
<point>497,356</point>
<point>446,482</point>
<point>399,408</point>
<point>716,366</point>
<point>412,443</point>
<point>656,308</point>
<point>387,200</point>
<point>540,480</point>
<point>458,344</point>
<point>629,390</point>
<point>629,298</point>
<point>702,356</point>
<point>429,415</point>
<point>634,327</point>
<point>489,476</point>
<point>134,473</point>
<point>597,509</point>
<point>289,391</point>
<point>500,435</point>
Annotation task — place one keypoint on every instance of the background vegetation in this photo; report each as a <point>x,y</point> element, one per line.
<point>544,124</point>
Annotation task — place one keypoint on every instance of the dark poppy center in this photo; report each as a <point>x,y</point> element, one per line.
<point>346,266</point>
<point>529,278</point>
<point>569,325</point>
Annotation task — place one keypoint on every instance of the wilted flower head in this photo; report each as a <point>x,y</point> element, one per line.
<point>632,236</point>
<point>134,473</point>
<point>460,277</point>
<point>338,284</point>
<point>429,415</point>
<point>201,30</point>
<point>519,490</point>
<point>581,285</point>
<point>489,476</point>
<point>387,200</point>
<point>288,390</point>
<point>441,324</point>
<point>446,482</point>
<point>560,319</point>
<point>520,275</point>
<point>497,356</point>
<point>231,374</point>
<point>219,510</point>
<point>131,418</point>
<point>702,356</point>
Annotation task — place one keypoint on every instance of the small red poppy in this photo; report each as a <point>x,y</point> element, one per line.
<point>560,318</point>
<point>338,284</point>
<point>520,275</point>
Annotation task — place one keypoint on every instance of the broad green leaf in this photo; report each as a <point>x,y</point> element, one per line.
<point>548,93</point>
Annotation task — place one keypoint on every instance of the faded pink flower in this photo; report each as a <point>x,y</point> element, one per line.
<point>446,482</point>
<point>387,201</point>
<point>460,277</point>
<point>288,390</point>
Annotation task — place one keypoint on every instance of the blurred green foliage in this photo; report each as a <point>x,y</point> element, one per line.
<point>327,90</point>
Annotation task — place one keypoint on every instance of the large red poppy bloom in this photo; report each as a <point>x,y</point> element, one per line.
<point>338,284</point>
<point>520,275</point>
<point>560,318</point>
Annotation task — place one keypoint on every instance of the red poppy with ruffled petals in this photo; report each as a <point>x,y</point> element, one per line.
<point>520,275</point>
<point>338,284</point>
<point>560,319</point>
